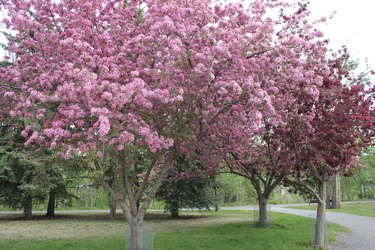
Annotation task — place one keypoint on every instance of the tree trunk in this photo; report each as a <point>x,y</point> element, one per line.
<point>28,209</point>
<point>112,209</point>
<point>174,201</point>
<point>364,191</point>
<point>51,204</point>
<point>136,225</point>
<point>320,229</point>
<point>336,198</point>
<point>216,201</point>
<point>328,199</point>
<point>174,212</point>
<point>263,220</point>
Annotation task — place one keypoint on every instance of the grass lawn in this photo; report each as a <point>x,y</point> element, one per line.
<point>195,230</point>
<point>367,209</point>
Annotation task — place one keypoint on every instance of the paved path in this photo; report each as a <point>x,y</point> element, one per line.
<point>362,236</point>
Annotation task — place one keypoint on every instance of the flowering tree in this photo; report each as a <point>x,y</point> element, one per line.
<point>129,84</point>
<point>332,142</point>
<point>289,81</point>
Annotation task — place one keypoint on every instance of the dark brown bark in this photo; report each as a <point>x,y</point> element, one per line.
<point>328,199</point>
<point>28,209</point>
<point>174,212</point>
<point>51,204</point>
<point>112,209</point>
<point>174,201</point>
<point>320,227</point>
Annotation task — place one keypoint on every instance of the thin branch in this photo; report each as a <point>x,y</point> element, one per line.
<point>262,180</point>
<point>222,110</point>
<point>155,186</point>
<point>312,192</point>
<point>117,197</point>
<point>257,53</point>
<point>125,177</point>
<point>145,180</point>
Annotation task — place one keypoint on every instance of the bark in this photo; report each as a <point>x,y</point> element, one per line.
<point>112,209</point>
<point>133,212</point>
<point>174,201</point>
<point>364,191</point>
<point>320,229</point>
<point>263,218</point>
<point>174,212</point>
<point>216,200</point>
<point>328,199</point>
<point>336,198</point>
<point>51,204</point>
<point>136,226</point>
<point>28,209</point>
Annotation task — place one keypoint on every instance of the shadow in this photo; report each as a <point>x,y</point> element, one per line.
<point>82,216</point>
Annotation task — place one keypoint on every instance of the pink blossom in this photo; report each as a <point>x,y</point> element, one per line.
<point>100,154</point>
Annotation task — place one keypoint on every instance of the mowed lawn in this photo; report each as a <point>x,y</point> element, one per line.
<point>194,230</point>
<point>366,209</point>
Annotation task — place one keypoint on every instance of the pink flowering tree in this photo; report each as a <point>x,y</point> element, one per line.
<point>333,140</point>
<point>128,84</point>
<point>253,145</point>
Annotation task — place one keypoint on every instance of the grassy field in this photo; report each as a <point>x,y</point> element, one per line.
<point>367,209</point>
<point>195,230</point>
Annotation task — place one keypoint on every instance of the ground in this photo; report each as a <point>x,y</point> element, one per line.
<point>195,230</point>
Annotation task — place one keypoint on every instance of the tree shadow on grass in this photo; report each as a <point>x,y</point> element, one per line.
<point>82,216</point>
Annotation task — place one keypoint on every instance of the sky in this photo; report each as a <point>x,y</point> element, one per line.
<point>351,26</point>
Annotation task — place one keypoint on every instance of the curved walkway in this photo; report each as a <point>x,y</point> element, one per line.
<point>362,236</point>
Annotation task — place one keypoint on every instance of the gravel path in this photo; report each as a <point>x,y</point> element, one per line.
<point>362,236</point>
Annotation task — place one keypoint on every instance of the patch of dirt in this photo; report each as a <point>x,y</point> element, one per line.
<point>98,225</point>
<point>58,229</point>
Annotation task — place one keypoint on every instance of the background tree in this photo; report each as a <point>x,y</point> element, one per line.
<point>359,183</point>
<point>185,188</point>
<point>22,176</point>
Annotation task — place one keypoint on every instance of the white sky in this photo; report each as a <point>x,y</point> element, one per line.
<point>353,25</point>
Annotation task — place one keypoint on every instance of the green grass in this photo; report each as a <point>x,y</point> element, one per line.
<point>366,209</point>
<point>198,230</point>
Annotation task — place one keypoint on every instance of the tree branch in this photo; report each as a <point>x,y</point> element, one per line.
<point>257,53</point>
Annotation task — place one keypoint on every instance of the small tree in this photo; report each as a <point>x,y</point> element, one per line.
<point>27,174</point>
<point>259,152</point>
<point>332,142</point>
<point>185,188</point>
<point>22,176</point>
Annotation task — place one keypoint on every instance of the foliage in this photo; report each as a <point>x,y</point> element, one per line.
<point>359,183</point>
<point>26,174</point>
<point>185,193</point>
<point>235,189</point>
<point>330,141</point>
<point>341,128</point>
<point>22,176</point>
